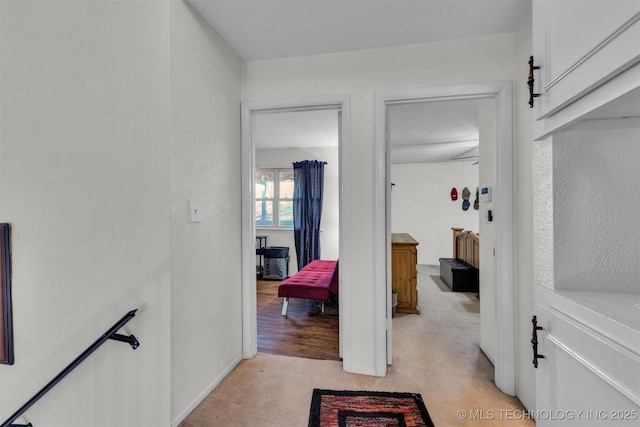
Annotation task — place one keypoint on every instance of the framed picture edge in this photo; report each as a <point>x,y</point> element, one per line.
<point>6,315</point>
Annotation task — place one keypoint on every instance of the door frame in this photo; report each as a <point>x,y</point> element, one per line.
<point>340,102</point>
<point>503,198</point>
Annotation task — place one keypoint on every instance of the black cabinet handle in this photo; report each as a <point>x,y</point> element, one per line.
<point>530,81</point>
<point>534,341</point>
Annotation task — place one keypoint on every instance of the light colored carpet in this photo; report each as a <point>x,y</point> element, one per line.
<point>435,354</point>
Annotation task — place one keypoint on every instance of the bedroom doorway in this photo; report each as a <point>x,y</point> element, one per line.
<point>435,148</point>
<point>281,138</point>
<point>274,135</point>
<point>500,298</point>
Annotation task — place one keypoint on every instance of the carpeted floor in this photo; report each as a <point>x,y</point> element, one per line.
<point>435,354</point>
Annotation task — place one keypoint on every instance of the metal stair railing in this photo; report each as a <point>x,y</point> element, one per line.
<point>111,334</point>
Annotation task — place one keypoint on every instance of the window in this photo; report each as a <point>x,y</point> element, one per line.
<point>274,197</point>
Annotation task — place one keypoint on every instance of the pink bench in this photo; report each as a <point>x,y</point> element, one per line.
<point>317,281</point>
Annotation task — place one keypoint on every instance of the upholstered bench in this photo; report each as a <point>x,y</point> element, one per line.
<point>458,275</point>
<point>318,280</point>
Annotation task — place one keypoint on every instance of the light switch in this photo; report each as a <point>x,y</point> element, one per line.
<point>194,211</point>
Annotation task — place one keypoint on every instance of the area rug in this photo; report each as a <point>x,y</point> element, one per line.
<point>331,408</point>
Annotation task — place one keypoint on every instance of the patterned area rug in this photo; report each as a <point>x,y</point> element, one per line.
<point>330,408</point>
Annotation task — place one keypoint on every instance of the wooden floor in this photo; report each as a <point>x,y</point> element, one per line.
<point>297,334</point>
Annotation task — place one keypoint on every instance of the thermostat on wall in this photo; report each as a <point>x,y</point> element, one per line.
<point>485,194</point>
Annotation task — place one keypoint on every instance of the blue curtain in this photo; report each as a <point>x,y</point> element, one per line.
<point>308,188</point>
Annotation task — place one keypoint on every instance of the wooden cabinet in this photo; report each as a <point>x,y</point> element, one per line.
<point>581,46</point>
<point>404,274</point>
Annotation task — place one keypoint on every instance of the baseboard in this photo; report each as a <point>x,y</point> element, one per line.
<point>180,418</point>
<point>488,354</point>
<point>362,370</point>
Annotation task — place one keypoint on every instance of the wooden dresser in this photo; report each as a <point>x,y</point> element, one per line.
<point>404,275</point>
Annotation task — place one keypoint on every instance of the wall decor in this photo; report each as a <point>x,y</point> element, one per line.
<point>465,199</point>
<point>6,323</point>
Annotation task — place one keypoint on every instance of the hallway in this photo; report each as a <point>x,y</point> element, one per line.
<point>435,354</point>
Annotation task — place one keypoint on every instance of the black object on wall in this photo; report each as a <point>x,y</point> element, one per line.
<point>6,318</point>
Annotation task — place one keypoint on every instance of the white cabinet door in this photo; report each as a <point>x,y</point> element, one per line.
<point>580,45</point>
<point>588,376</point>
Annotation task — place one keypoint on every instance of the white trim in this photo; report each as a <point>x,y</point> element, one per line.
<point>363,370</point>
<point>381,244</point>
<point>501,92</point>
<point>249,317</point>
<point>580,108</point>
<point>505,356</point>
<point>344,251</point>
<point>192,406</point>
<point>487,353</point>
<point>604,43</point>
<point>249,301</point>
<point>388,243</point>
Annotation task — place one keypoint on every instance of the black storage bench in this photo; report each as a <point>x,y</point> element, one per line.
<point>458,275</point>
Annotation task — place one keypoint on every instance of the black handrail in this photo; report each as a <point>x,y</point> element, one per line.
<point>110,334</point>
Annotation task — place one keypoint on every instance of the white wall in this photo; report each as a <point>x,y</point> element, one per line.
<point>111,122</point>
<point>85,180</point>
<point>329,237</point>
<point>596,205</point>
<point>86,111</point>
<point>206,300</point>
<point>361,74</point>
<point>421,205</point>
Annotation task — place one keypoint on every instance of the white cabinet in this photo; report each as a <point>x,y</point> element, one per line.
<point>589,375</point>
<point>586,274</point>
<point>579,46</point>
<point>586,199</point>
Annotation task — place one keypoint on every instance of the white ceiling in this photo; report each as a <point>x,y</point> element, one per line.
<point>434,131</point>
<point>287,129</point>
<point>268,29</point>
<point>420,132</point>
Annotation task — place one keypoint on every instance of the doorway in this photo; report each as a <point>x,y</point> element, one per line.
<point>250,110</point>
<point>435,147</point>
<point>503,296</point>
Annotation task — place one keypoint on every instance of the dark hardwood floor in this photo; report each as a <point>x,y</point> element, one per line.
<point>297,334</point>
